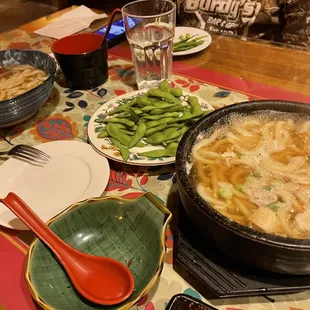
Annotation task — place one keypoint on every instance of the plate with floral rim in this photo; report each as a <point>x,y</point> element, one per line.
<point>106,148</point>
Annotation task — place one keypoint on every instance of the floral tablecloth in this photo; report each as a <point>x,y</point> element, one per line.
<point>66,116</point>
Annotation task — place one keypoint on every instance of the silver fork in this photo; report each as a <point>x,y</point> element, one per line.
<point>28,153</point>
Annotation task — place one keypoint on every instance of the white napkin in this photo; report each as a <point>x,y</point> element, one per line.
<point>70,23</point>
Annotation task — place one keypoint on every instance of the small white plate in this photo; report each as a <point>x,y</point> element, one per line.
<point>104,146</point>
<point>192,31</point>
<point>75,172</point>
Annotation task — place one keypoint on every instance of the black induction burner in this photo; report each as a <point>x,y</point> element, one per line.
<point>223,275</point>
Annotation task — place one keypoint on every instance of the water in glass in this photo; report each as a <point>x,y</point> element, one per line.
<point>151,50</point>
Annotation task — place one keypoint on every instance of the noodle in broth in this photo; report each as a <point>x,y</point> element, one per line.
<point>256,171</point>
<point>17,80</point>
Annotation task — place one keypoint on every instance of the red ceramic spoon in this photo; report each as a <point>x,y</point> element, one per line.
<point>101,280</point>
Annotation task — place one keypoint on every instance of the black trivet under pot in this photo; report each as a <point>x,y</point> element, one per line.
<point>223,275</point>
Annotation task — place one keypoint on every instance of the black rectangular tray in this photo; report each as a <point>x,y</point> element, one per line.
<point>223,275</point>
<point>186,302</point>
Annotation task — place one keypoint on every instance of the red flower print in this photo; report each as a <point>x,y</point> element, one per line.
<point>118,181</point>
<point>193,88</point>
<point>119,92</point>
<point>54,128</point>
<point>133,195</point>
<point>169,239</point>
<point>149,306</point>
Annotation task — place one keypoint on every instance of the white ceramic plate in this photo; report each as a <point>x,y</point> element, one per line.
<point>107,149</point>
<point>192,31</point>
<point>74,173</point>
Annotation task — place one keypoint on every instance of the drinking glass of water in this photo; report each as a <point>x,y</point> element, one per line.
<point>150,26</point>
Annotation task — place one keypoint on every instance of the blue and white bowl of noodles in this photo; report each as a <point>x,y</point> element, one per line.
<point>15,109</point>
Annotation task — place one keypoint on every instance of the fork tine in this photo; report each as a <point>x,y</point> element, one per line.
<point>32,153</point>
<point>33,150</point>
<point>31,160</point>
<point>33,156</point>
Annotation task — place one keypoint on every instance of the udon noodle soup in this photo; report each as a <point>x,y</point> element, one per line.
<point>256,171</point>
<point>17,80</point>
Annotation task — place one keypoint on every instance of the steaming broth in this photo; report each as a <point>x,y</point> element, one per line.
<point>256,171</point>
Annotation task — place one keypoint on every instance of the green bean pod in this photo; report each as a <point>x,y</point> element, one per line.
<point>122,115</point>
<point>125,106</point>
<point>157,117</point>
<point>144,101</point>
<point>186,117</point>
<point>159,137</point>
<point>128,132</point>
<point>164,85</point>
<point>193,101</point>
<point>116,133</point>
<point>176,92</point>
<point>163,95</point>
<point>102,134</point>
<point>176,108</point>
<point>124,121</point>
<point>170,151</point>
<point>139,135</point>
<point>153,130</point>
<point>156,123</point>
<point>99,129</point>
<point>123,150</point>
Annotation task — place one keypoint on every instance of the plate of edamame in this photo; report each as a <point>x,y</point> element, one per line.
<point>189,40</point>
<point>144,127</point>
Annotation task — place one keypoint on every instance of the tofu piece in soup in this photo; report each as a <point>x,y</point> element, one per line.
<point>265,219</point>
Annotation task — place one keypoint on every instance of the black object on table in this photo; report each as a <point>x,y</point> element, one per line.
<point>186,302</point>
<point>223,275</point>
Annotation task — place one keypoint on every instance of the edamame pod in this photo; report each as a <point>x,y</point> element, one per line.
<point>157,117</point>
<point>144,101</point>
<point>139,135</point>
<point>163,95</point>
<point>176,108</point>
<point>102,134</point>
<point>176,92</point>
<point>185,117</point>
<point>159,137</point>
<point>123,150</point>
<point>128,132</point>
<point>99,129</point>
<point>153,130</point>
<point>196,108</point>
<point>170,151</point>
<point>164,85</point>
<point>126,122</point>
<point>115,133</point>
<point>156,123</point>
<point>124,106</point>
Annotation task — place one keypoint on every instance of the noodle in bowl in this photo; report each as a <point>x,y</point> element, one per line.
<point>17,80</point>
<point>244,179</point>
<point>26,82</point>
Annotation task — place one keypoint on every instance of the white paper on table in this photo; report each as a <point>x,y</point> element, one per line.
<point>70,23</point>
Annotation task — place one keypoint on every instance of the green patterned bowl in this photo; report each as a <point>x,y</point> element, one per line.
<point>131,231</point>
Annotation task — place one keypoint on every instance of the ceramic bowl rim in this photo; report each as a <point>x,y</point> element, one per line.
<point>232,226</point>
<point>51,76</point>
<point>151,198</point>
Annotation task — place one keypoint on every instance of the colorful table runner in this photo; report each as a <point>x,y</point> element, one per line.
<point>66,115</point>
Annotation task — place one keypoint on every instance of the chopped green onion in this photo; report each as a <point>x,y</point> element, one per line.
<point>239,187</point>
<point>240,155</point>
<point>256,174</point>
<point>275,205</point>
<point>225,192</point>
